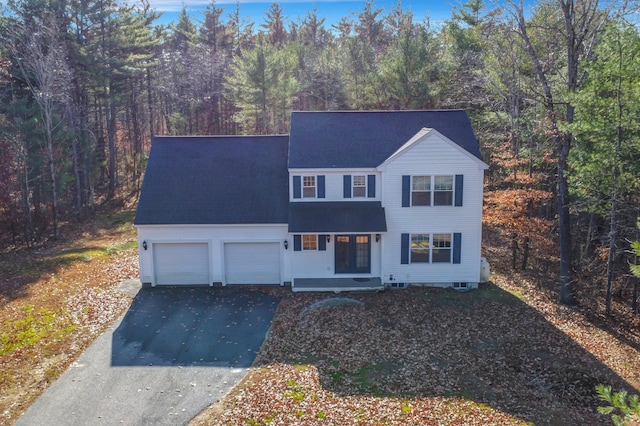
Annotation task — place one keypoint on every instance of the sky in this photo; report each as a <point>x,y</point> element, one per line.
<point>296,10</point>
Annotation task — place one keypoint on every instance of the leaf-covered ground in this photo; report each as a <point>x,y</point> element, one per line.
<point>504,354</point>
<point>55,300</point>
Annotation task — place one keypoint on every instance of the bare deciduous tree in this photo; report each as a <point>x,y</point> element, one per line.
<point>41,58</point>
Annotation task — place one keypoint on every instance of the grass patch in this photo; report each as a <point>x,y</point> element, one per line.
<point>469,299</point>
<point>33,327</point>
<point>122,246</point>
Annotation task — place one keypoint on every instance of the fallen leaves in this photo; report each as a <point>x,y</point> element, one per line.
<point>53,303</point>
<point>503,354</point>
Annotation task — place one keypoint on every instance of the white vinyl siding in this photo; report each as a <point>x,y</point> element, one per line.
<point>334,184</point>
<point>433,156</point>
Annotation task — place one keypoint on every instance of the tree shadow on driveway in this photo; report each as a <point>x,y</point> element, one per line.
<point>200,326</point>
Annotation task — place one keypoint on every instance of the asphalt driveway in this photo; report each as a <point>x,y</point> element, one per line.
<point>175,351</point>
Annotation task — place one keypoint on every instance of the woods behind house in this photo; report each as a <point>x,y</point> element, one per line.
<point>553,92</point>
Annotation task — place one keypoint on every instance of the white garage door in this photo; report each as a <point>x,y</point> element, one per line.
<point>252,263</point>
<point>181,263</point>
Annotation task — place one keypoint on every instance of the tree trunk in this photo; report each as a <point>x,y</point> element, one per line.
<point>525,253</point>
<point>634,299</point>
<point>564,219</point>
<point>111,136</point>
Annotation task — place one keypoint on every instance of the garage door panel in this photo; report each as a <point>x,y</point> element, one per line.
<point>252,263</point>
<point>181,263</point>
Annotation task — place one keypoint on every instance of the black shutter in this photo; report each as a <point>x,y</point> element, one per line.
<point>297,187</point>
<point>457,242</point>
<point>406,191</point>
<point>322,242</point>
<point>346,186</point>
<point>321,186</point>
<point>404,249</point>
<point>297,243</point>
<point>371,186</point>
<point>459,190</point>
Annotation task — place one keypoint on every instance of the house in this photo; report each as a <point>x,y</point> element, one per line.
<point>346,201</point>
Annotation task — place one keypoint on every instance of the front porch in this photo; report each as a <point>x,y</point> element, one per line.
<point>337,285</point>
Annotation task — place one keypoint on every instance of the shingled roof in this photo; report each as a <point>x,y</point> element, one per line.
<point>365,139</point>
<point>215,180</point>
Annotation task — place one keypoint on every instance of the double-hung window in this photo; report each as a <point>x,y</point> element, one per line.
<point>359,186</point>
<point>308,187</point>
<point>441,248</point>
<point>419,248</point>
<point>421,191</point>
<point>442,190</point>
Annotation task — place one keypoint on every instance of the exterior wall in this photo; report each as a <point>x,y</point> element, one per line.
<point>333,183</point>
<point>215,236</point>
<point>432,155</point>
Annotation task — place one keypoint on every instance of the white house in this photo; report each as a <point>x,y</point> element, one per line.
<point>347,201</point>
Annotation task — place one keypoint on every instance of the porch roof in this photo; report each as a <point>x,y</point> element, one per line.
<point>337,216</point>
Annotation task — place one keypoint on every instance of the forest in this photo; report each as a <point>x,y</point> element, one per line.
<point>553,92</point>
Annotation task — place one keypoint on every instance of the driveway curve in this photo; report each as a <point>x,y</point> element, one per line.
<point>174,352</point>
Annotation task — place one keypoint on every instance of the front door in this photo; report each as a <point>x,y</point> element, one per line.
<point>353,254</point>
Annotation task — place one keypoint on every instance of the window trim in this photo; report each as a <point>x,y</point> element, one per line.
<point>364,186</point>
<point>451,191</point>
<point>431,247</point>
<point>304,186</point>
<point>434,247</point>
<point>432,191</point>
<point>425,250</point>
<point>309,242</point>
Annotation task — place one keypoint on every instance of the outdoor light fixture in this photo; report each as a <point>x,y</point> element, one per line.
<point>377,237</point>
<point>328,238</point>
<point>286,244</point>
<point>144,244</point>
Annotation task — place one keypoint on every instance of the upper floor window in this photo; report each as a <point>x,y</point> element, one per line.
<point>359,186</point>
<point>442,190</point>
<point>432,190</point>
<point>421,191</point>
<point>308,187</point>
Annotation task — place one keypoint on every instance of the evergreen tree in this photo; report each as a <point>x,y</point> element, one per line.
<point>607,125</point>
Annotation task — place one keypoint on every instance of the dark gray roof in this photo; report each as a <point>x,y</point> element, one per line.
<point>338,216</point>
<point>215,180</point>
<point>348,139</point>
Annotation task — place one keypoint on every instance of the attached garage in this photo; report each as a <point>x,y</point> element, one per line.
<point>181,263</point>
<point>252,263</point>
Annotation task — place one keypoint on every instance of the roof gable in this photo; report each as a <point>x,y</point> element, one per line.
<point>424,136</point>
<point>215,180</point>
<point>362,139</point>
